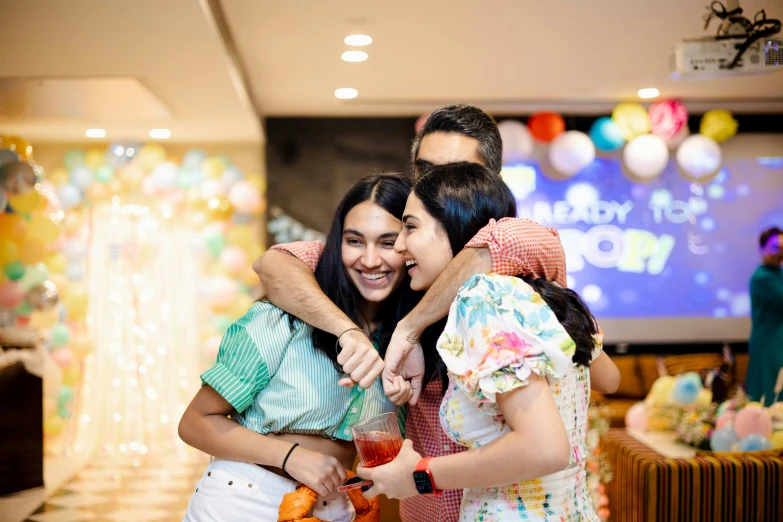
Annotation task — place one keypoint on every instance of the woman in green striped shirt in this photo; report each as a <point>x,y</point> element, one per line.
<point>279,380</point>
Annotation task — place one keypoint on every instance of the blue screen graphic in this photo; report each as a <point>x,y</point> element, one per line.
<point>669,247</point>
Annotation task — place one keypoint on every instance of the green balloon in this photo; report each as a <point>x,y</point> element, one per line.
<point>24,309</point>
<point>34,275</point>
<point>222,322</point>
<point>63,412</point>
<point>61,335</point>
<point>73,158</point>
<point>215,243</point>
<point>64,396</point>
<point>104,173</point>
<point>15,270</point>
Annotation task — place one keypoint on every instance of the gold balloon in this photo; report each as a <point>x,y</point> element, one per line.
<point>776,439</point>
<point>44,320</point>
<point>219,209</point>
<point>32,252</point>
<point>43,297</point>
<point>115,187</point>
<point>74,221</point>
<point>49,406</point>
<point>18,145</point>
<point>53,426</point>
<point>151,155</point>
<point>249,277</point>
<point>75,299</point>
<point>632,120</point>
<point>42,228</point>
<point>719,125</point>
<point>240,235</point>
<point>80,346</point>
<point>18,177</point>
<point>240,305</point>
<point>72,374</point>
<point>9,252</point>
<point>25,203</point>
<point>95,158</point>
<point>132,175</point>
<point>59,176</point>
<point>213,167</point>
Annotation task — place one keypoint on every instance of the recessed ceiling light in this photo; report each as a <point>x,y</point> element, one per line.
<point>358,40</point>
<point>354,56</point>
<point>346,93</point>
<point>160,134</point>
<point>95,133</point>
<point>650,92</point>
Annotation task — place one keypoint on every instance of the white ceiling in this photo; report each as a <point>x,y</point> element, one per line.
<point>170,48</point>
<point>173,68</point>
<point>505,55</point>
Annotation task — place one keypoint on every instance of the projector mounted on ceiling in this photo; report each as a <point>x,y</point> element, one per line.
<point>740,47</point>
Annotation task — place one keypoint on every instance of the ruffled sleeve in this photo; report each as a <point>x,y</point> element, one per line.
<point>498,333</point>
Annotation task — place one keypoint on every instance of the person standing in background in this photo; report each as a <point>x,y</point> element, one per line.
<point>766,310</point>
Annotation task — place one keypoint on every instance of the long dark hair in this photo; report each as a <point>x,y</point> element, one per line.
<point>463,197</point>
<point>390,192</point>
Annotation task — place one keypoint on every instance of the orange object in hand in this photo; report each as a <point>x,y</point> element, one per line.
<point>296,506</point>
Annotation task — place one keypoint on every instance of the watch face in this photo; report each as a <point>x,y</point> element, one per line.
<point>423,483</point>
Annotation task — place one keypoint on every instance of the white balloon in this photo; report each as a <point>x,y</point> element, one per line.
<point>571,152</point>
<point>646,156</point>
<point>74,250</point>
<point>699,156</point>
<point>69,195</point>
<point>82,177</point>
<point>166,175</point>
<point>517,141</point>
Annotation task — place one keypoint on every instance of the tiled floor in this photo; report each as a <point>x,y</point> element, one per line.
<point>158,490</point>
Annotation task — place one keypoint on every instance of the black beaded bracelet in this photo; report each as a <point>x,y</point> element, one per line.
<point>289,454</point>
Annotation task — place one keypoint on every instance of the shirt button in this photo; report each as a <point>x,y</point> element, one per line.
<point>347,431</point>
<point>354,410</point>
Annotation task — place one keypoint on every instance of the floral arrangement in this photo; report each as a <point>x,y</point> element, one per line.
<point>599,473</point>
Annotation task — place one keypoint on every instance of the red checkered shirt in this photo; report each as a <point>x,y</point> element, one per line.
<point>518,246</point>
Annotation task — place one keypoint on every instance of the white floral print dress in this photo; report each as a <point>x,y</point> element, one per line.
<point>499,332</point>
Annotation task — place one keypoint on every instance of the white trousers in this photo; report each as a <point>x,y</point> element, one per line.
<point>233,491</point>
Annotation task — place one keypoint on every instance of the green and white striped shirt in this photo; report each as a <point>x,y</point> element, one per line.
<point>269,371</point>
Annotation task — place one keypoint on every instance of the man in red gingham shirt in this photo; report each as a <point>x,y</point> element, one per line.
<point>451,134</point>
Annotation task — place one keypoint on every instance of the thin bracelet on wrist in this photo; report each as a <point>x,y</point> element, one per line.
<point>337,343</point>
<point>285,460</point>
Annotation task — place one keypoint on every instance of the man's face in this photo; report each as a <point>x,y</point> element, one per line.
<point>440,148</point>
<point>773,250</point>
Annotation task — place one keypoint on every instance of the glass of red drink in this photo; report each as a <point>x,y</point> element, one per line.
<point>377,440</point>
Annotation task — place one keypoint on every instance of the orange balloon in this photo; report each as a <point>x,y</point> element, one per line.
<point>80,346</point>
<point>44,320</point>
<point>75,299</point>
<point>18,145</point>
<point>95,158</point>
<point>13,226</point>
<point>9,252</point>
<point>73,221</point>
<point>25,203</point>
<point>132,175</point>
<point>31,252</point>
<point>546,126</point>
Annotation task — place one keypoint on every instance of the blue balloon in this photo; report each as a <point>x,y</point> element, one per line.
<point>231,175</point>
<point>606,135</point>
<point>193,159</point>
<point>723,439</point>
<point>82,176</point>
<point>754,442</point>
<point>686,391</point>
<point>69,195</point>
<point>74,272</point>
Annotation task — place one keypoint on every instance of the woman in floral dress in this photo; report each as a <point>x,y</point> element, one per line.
<point>517,352</point>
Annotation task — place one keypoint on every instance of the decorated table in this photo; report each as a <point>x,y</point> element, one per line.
<point>656,479</point>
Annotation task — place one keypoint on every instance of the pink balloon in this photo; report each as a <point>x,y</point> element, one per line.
<point>636,417</point>
<point>11,294</point>
<point>725,418</point>
<point>420,122</point>
<point>63,357</point>
<point>212,347</point>
<point>667,118</point>
<point>750,421</point>
<point>234,259</point>
<point>224,290</point>
<point>245,197</point>
<point>212,188</point>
